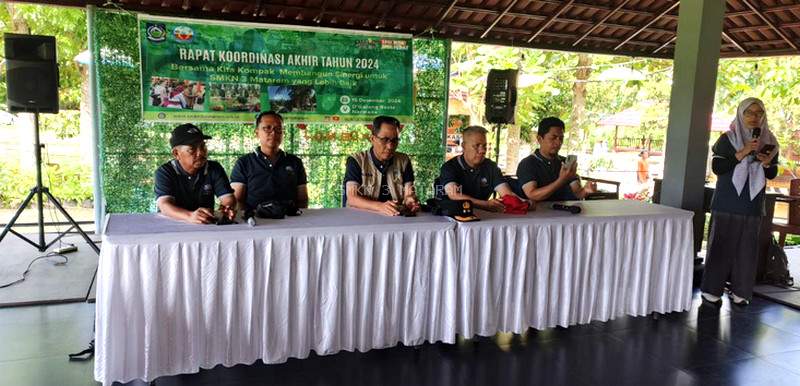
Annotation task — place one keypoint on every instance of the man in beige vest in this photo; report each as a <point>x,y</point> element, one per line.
<point>381,179</point>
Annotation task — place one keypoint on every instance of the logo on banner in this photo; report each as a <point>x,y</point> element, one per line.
<point>183,34</point>
<point>390,44</point>
<point>156,33</point>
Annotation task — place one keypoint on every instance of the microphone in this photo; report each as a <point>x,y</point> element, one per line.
<point>756,134</point>
<point>249,216</point>
<point>574,209</point>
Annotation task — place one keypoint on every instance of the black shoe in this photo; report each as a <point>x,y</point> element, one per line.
<point>742,304</point>
<point>709,303</point>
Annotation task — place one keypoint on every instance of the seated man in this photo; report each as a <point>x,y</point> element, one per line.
<point>471,176</point>
<point>543,175</point>
<point>185,187</point>
<point>381,179</point>
<point>268,173</point>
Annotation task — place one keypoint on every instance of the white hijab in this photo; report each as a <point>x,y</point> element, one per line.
<point>749,168</point>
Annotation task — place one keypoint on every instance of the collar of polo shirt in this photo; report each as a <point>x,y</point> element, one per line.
<point>264,157</point>
<point>465,166</point>
<point>378,163</point>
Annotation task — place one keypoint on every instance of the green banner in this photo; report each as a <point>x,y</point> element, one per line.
<point>228,72</point>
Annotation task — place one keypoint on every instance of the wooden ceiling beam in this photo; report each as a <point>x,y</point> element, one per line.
<point>649,23</point>
<point>730,39</point>
<point>601,21</point>
<point>670,41</point>
<point>763,18</point>
<point>564,6</point>
<point>763,27</point>
<point>382,22</point>
<point>445,13</point>
<point>497,19</point>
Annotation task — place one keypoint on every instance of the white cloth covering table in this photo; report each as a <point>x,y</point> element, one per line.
<point>175,297</point>
<point>552,268</point>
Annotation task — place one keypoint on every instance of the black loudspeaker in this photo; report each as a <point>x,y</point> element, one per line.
<point>31,73</point>
<point>501,96</point>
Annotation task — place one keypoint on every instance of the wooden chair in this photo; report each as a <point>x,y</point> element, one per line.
<point>793,224</point>
<point>603,195</point>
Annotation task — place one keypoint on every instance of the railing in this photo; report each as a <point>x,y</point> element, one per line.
<point>639,143</point>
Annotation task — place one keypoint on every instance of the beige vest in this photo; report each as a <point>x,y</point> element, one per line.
<point>371,176</point>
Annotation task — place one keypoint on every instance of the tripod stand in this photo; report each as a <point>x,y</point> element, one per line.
<point>40,191</point>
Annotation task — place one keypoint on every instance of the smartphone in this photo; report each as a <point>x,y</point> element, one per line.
<point>768,148</point>
<point>571,160</point>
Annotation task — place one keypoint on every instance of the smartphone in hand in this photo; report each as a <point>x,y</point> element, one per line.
<point>571,160</point>
<point>766,149</point>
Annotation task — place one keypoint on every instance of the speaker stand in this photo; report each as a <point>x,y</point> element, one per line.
<point>497,128</point>
<point>38,191</point>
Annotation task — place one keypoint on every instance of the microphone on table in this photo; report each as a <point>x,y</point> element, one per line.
<point>574,209</point>
<point>756,134</point>
<point>250,217</point>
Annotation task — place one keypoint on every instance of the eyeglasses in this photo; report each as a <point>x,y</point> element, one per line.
<point>480,146</point>
<point>388,140</point>
<point>193,150</point>
<point>753,114</point>
<point>270,129</point>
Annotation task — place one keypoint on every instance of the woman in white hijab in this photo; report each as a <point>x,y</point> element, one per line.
<point>744,158</point>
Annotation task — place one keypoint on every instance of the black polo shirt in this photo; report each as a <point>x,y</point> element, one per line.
<point>478,183</point>
<point>192,192</point>
<point>265,181</point>
<point>536,168</point>
<point>353,173</point>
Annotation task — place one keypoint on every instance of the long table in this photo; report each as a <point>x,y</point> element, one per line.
<point>174,297</point>
<point>552,268</point>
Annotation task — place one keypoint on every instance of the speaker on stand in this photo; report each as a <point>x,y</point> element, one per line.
<point>501,101</point>
<point>32,83</point>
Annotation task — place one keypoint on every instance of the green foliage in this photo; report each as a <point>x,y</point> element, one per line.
<point>132,150</point>
<point>546,87</point>
<point>70,183</point>
<point>66,124</point>
<point>792,240</point>
<point>13,185</point>
<point>68,25</point>
<point>773,80</point>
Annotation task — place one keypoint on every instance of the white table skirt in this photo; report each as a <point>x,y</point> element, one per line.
<point>550,268</point>
<point>173,298</point>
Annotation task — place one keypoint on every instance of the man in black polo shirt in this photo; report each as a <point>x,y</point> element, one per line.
<point>471,176</point>
<point>268,173</point>
<point>543,175</point>
<point>185,187</point>
<point>381,179</point>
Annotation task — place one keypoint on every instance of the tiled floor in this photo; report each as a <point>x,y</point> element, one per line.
<point>759,345</point>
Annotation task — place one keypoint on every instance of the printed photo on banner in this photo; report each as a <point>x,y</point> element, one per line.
<point>292,98</point>
<point>455,123</point>
<point>233,97</point>
<point>177,93</point>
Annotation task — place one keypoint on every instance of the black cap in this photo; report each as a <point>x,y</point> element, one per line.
<point>186,134</point>
<point>461,210</point>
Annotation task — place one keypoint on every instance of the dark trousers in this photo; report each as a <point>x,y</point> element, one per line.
<point>732,254</point>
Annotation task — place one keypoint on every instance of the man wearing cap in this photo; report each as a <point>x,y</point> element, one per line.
<point>185,186</point>
<point>268,173</point>
<point>543,175</point>
<point>381,179</point>
<point>471,176</point>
